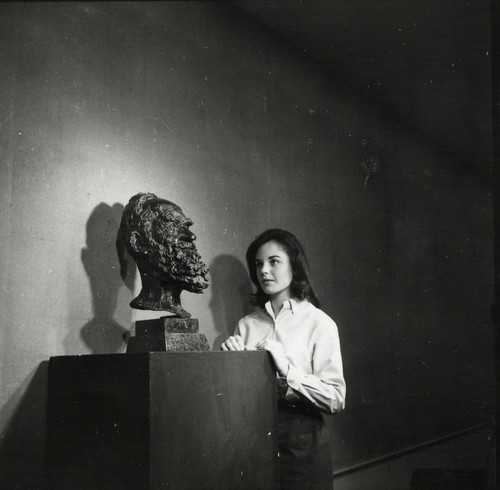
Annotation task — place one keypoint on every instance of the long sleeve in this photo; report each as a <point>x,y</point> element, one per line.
<point>325,386</point>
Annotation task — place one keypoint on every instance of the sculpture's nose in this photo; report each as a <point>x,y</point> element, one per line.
<point>188,236</point>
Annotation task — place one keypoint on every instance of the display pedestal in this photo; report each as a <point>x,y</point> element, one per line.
<point>196,420</point>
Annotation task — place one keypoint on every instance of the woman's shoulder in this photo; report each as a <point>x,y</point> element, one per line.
<point>258,315</point>
<point>320,318</point>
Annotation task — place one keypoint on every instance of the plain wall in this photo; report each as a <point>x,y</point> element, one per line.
<point>202,105</point>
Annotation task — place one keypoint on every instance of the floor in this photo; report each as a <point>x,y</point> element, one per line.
<point>456,464</point>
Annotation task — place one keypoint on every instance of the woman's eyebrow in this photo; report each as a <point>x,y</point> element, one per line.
<point>269,258</point>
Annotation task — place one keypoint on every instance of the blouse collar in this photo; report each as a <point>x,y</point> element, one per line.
<point>292,304</point>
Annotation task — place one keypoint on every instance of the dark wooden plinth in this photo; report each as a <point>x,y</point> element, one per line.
<point>198,420</point>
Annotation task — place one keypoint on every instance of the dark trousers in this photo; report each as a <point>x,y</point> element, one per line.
<point>304,457</point>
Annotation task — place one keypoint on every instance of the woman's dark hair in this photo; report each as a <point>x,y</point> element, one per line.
<point>300,287</point>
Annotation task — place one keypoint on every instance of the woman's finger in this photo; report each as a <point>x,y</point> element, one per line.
<point>263,344</point>
<point>239,342</point>
<point>233,343</point>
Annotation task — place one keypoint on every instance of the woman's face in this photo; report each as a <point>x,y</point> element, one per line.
<point>274,271</point>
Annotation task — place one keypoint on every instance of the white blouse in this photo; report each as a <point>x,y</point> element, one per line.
<point>311,344</point>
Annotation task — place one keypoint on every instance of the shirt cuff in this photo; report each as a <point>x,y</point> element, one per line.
<point>292,377</point>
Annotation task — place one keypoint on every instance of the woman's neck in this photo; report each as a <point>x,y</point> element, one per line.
<point>277,303</point>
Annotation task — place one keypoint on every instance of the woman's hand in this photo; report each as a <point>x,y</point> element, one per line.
<point>233,343</point>
<point>276,350</point>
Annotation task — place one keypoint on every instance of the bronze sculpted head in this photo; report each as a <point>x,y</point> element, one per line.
<point>156,234</point>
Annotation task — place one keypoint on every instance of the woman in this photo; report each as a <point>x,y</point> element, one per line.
<point>304,344</point>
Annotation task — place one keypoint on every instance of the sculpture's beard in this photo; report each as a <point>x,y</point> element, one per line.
<point>182,264</point>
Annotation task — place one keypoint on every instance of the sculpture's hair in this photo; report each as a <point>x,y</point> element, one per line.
<point>301,287</point>
<point>137,217</point>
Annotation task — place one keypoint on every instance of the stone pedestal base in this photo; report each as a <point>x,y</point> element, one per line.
<point>167,334</point>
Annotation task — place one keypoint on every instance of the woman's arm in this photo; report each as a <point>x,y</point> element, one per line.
<point>325,387</point>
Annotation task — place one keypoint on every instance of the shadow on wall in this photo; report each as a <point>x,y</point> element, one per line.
<point>102,334</point>
<point>231,291</point>
<point>22,443</point>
